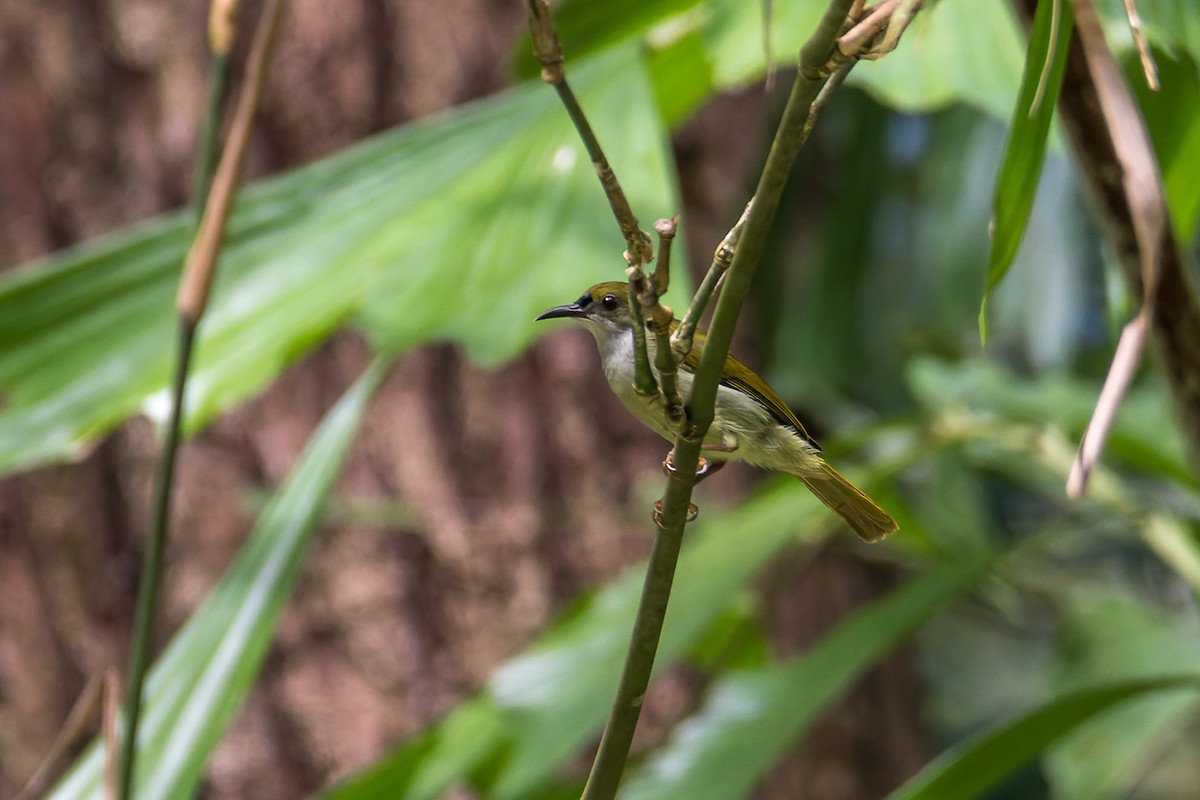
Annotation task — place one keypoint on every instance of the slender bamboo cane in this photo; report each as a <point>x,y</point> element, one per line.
<point>190,303</point>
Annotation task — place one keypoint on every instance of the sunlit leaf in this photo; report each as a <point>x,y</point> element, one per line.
<point>980,38</point>
<point>200,680</point>
<point>462,228</point>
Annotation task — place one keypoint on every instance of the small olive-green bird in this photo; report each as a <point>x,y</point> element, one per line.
<point>751,422</point>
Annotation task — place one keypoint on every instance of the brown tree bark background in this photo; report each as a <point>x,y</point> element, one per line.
<point>522,483</point>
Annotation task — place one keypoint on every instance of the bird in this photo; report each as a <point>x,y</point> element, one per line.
<point>751,423</point>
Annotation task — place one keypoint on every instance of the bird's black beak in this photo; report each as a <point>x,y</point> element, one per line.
<point>572,310</point>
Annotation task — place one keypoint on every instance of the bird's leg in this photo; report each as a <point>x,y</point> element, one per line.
<point>706,467</point>
<point>656,514</point>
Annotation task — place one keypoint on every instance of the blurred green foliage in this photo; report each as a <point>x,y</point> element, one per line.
<point>1057,641</point>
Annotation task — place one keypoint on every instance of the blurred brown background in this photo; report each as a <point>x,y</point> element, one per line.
<point>516,499</point>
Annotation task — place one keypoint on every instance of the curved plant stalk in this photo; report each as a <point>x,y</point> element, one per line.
<point>198,271</point>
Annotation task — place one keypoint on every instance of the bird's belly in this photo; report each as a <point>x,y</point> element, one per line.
<point>742,429</point>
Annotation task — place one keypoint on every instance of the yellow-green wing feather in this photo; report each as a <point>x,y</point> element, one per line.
<point>738,376</point>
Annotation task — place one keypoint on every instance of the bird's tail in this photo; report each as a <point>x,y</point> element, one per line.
<point>861,513</point>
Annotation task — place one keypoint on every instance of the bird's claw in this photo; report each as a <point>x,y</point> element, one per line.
<point>656,514</point>
<point>704,467</point>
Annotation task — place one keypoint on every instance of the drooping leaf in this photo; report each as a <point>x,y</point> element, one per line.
<point>1026,150</point>
<point>199,682</point>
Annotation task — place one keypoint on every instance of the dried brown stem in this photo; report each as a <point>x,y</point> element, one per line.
<point>1149,68</point>
<point>1115,157</point>
<point>200,265</point>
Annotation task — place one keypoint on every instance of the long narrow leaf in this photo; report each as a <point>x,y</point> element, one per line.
<point>201,679</point>
<point>972,768</point>
<point>752,717</point>
<point>1025,152</point>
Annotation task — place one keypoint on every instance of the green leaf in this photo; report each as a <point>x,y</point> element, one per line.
<point>754,716</point>
<point>202,677</point>
<point>1057,399</point>
<point>548,701</point>
<point>681,75</point>
<point>1173,120</point>
<point>979,37</point>
<point>1026,150</point>
<point>1170,25</point>
<point>461,228</point>
<point>585,27</point>
<point>971,768</point>
<point>1111,634</point>
<point>982,41</point>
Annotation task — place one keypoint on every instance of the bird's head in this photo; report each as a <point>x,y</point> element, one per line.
<point>604,309</point>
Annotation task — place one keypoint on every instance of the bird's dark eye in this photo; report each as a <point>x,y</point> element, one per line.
<point>610,302</point>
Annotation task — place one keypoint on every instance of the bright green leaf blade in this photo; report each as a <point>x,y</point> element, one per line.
<point>201,679</point>
<point>1025,152</point>
<point>537,228</point>
<point>753,717</point>
<point>1173,120</point>
<point>681,75</point>
<point>462,227</point>
<point>550,700</point>
<point>980,38</point>
<point>970,769</point>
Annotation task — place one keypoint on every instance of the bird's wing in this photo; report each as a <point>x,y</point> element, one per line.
<point>741,378</point>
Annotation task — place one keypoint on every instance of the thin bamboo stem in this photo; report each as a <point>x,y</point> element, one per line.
<point>191,301</point>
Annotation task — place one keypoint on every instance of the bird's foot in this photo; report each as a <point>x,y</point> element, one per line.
<point>656,514</point>
<point>704,468</point>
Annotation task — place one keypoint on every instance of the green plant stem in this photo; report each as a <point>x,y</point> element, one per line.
<point>610,760</point>
<point>195,286</point>
<point>789,136</point>
<point>206,152</point>
<point>152,561</point>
